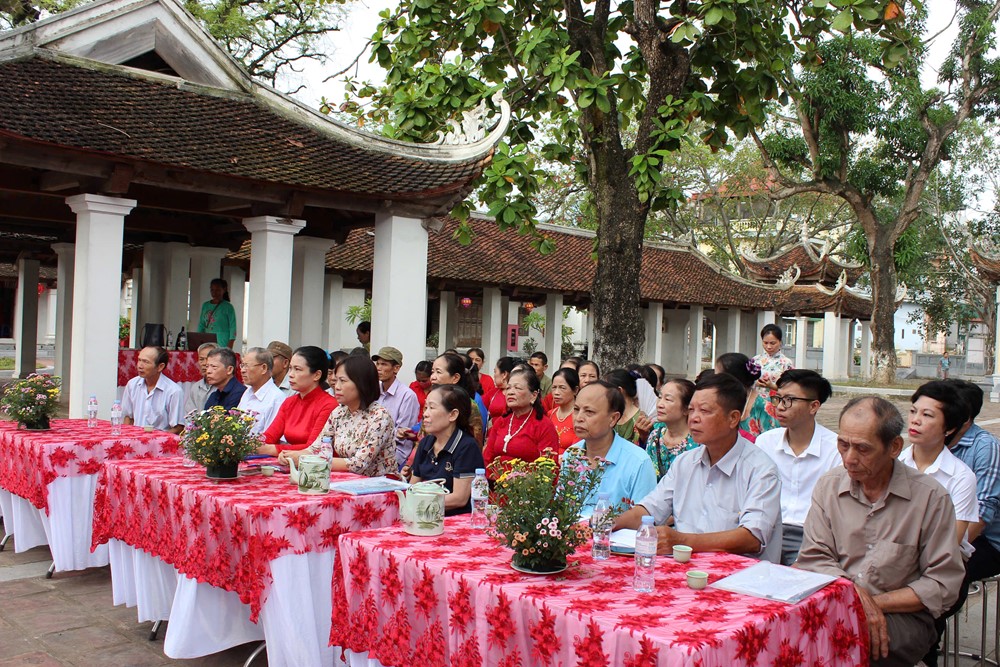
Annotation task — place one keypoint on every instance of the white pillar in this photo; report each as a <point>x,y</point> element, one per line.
<point>206,264</point>
<point>734,330</point>
<point>493,329</point>
<point>866,350</point>
<point>154,275</point>
<point>333,311</point>
<point>654,333</point>
<point>100,222</point>
<point>995,393</point>
<point>399,288</point>
<point>308,284</point>
<point>695,334</point>
<point>589,324</point>
<point>446,321</point>
<point>553,329</point>
<point>135,324</point>
<point>831,329</point>
<point>42,317</point>
<point>846,346</point>
<point>801,341</point>
<point>64,309</point>
<point>176,285</point>
<point>270,277</point>
<point>236,278</point>
<point>672,354</point>
<point>26,317</point>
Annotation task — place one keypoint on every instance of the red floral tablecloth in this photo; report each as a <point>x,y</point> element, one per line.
<point>182,367</point>
<point>454,600</point>
<point>226,533</point>
<point>31,460</point>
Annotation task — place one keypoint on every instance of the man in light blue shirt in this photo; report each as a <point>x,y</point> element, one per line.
<point>151,398</point>
<point>628,472</point>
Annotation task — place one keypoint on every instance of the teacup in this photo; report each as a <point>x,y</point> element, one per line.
<point>682,553</point>
<point>697,579</point>
<point>266,471</point>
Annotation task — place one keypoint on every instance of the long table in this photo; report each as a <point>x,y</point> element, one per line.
<point>47,482</point>
<point>454,600</point>
<point>228,562</point>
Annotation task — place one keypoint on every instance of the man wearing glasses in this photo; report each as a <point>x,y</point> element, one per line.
<point>802,450</point>
<point>262,397</point>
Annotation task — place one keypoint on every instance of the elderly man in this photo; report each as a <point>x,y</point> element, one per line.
<point>628,472</point>
<point>262,397</point>
<point>724,495</point>
<point>220,373</point>
<point>539,361</point>
<point>802,450</point>
<point>282,355</point>
<point>397,398</point>
<point>888,528</point>
<point>197,392</point>
<point>151,398</point>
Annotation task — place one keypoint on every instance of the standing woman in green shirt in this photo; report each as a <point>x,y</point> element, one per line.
<point>218,315</point>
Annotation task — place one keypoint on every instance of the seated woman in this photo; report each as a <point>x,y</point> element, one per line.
<point>478,357</point>
<point>565,385</point>
<point>524,431</point>
<point>362,430</point>
<point>634,425</point>
<point>476,386</point>
<point>335,357</point>
<point>450,368</point>
<point>421,386</point>
<point>302,415</point>
<point>670,435</point>
<point>496,402</point>
<point>449,451</point>
<point>758,414</point>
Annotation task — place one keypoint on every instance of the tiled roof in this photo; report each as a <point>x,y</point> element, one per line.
<point>988,265</point>
<point>810,300</point>
<point>816,266</point>
<point>108,110</point>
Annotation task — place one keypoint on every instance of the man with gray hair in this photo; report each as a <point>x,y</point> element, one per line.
<point>262,397</point>
<point>220,372</point>
<point>196,392</point>
<point>888,528</point>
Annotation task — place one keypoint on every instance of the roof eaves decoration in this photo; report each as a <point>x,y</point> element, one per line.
<point>986,259</point>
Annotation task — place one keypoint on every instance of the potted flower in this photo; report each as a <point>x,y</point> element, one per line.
<point>219,439</point>
<point>32,401</point>
<point>124,328</point>
<point>539,505</point>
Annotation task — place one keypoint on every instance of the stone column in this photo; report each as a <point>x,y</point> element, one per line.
<point>493,327</point>
<point>176,286</point>
<point>695,334</point>
<point>151,299</point>
<point>333,313</point>
<point>801,340</point>
<point>654,333</point>
<point>64,309</point>
<point>308,285</point>
<point>446,321</point>
<point>399,288</point>
<point>135,324</point>
<point>270,277</point>
<point>734,331</point>
<point>26,316</point>
<point>831,328</point>
<point>846,346</point>
<point>206,266</point>
<point>866,350</point>
<point>100,222</point>
<point>553,329</point>
<point>236,278</point>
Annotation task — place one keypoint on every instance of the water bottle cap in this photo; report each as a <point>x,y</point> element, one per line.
<point>647,520</point>
<point>118,402</point>
<point>480,471</point>
<point>93,395</point>
<point>604,496</point>
<point>327,438</point>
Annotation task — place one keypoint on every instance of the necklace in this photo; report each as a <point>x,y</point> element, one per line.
<point>507,438</point>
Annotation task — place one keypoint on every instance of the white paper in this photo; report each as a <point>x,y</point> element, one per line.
<point>363,487</point>
<point>775,582</point>
<point>623,540</point>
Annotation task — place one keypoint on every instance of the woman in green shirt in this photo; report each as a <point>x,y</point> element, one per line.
<point>218,315</point>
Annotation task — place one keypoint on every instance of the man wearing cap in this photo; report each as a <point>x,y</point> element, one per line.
<point>282,355</point>
<point>396,397</point>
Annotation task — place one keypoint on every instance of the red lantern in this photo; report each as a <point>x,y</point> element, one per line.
<point>41,288</point>
<point>466,302</point>
<point>528,306</point>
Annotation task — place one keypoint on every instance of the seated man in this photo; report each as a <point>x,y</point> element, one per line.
<point>802,450</point>
<point>151,398</point>
<point>282,355</point>
<point>397,398</point>
<point>724,495</point>
<point>262,397</point>
<point>888,528</point>
<point>220,373</point>
<point>197,392</point>
<point>628,471</point>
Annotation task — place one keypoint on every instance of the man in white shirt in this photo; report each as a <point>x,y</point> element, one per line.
<point>197,392</point>
<point>396,397</point>
<point>151,398</point>
<point>262,397</point>
<point>724,495</point>
<point>802,450</point>
<point>282,354</point>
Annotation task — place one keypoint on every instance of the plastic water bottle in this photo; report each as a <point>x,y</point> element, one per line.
<point>92,411</point>
<point>644,580</point>
<point>116,418</point>
<point>170,340</point>
<point>480,495</point>
<point>600,525</point>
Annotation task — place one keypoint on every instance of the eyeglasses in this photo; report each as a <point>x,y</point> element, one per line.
<point>787,401</point>
<point>245,365</point>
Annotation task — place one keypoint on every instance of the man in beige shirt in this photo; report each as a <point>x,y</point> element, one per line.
<point>888,528</point>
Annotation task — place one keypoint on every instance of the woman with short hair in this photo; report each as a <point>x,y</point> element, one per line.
<point>302,415</point>
<point>670,436</point>
<point>634,425</point>
<point>565,386</point>
<point>523,432</point>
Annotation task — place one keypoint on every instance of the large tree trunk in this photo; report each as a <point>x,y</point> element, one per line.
<point>881,247</point>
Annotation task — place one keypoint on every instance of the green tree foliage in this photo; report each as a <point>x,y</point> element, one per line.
<point>609,90</point>
<point>862,128</point>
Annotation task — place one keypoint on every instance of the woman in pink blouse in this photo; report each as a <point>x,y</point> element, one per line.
<point>362,430</point>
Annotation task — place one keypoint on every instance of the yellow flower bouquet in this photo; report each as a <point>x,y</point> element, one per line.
<point>219,439</point>
<point>32,401</point>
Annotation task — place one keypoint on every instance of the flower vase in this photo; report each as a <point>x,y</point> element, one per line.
<point>523,564</point>
<point>223,471</point>
<point>40,423</point>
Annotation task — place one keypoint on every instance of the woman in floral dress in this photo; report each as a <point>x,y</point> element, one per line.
<point>670,435</point>
<point>771,361</point>
<point>758,414</point>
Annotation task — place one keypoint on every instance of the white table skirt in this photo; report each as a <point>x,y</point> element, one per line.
<point>67,528</point>
<point>203,619</point>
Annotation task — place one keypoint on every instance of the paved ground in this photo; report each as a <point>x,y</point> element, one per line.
<point>69,620</point>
